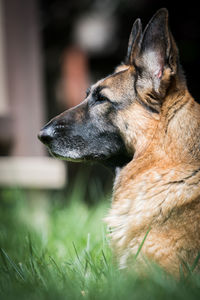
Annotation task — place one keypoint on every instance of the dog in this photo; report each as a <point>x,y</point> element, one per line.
<point>142,122</point>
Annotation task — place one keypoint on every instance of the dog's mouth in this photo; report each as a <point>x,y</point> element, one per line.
<point>114,161</point>
<point>61,157</point>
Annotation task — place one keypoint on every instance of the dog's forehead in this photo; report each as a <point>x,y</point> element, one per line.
<point>120,80</point>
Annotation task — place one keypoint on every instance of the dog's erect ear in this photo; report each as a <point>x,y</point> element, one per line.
<point>158,50</point>
<point>134,42</point>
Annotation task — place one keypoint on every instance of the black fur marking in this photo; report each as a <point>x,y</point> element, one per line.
<point>117,161</point>
<point>96,92</point>
<point>185,178</point>
<point>193,174</point>
<point>88,92</point>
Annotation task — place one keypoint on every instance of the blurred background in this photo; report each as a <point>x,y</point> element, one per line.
<point>50,53</point>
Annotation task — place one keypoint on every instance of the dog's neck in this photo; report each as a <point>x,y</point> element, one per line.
<point>147,192</point>
<point>171,157</point>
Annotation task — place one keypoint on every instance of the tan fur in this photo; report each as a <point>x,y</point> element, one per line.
<point>160,187</point>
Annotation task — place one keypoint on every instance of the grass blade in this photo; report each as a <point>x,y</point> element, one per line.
<point>195,262</point>
<point>104,259</point>
<point>142,243</point>
<point>12,264</point>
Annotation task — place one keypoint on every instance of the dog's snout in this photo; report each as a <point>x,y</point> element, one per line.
<point>46,134</point>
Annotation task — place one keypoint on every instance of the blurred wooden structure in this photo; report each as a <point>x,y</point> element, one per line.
<point>74,76</point>
<point>22,111</point>
<point>32,172</point>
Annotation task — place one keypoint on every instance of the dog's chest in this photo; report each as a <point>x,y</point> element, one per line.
<point>144,201</point>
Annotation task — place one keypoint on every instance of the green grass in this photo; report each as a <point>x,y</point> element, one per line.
<point>58,249</point>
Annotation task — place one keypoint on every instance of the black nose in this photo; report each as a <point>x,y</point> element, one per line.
<point>46,134</point>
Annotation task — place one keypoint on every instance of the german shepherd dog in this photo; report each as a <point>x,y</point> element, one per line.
<point>142,122</point>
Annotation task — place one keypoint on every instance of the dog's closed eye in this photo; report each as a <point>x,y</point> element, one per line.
<point>101,98</point>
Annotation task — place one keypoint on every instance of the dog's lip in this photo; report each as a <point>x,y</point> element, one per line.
<point>85,158</point>
<point>66,158</point>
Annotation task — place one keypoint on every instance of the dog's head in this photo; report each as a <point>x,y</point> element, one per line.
<point>120,113</point>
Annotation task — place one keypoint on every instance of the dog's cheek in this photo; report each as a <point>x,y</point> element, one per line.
<point>125,129</point>
<point>101,137</point>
